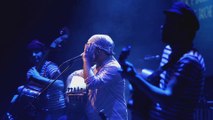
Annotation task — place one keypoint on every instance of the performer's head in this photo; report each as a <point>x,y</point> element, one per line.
<point>180,25</point>
<point>36,49</point>
<point>104,46</point>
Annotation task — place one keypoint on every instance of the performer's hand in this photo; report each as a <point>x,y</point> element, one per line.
<point>128,70</point>
<point>88,54</point>
<point>34,73</point>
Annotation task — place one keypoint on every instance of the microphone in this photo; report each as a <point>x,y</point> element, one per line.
<point>151,57</point>
<point>73,59</point>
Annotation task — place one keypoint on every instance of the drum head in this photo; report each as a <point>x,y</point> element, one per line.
<point>77,82</point>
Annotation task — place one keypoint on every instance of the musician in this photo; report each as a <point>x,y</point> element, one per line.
<point>181,69</point>
<point>104,83</point>
<point>51,103</point>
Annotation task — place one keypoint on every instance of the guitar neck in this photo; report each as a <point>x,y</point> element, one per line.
<point>44,58</point>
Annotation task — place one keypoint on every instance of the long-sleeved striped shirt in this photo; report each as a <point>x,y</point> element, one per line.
<point>189,72</point>
<point>106,92</point>
<point>53,98</point>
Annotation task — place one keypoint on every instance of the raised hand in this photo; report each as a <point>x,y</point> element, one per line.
<point>88,54</point>
<point>129,70</point>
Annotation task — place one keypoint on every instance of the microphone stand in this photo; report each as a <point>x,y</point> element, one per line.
<point>70,61</point>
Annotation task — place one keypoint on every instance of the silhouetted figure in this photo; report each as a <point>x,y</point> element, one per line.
<point>181,70</point>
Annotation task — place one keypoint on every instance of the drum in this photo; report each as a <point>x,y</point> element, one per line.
<point>77,98</point>
<point>76,90</point>
<point>77,87</point>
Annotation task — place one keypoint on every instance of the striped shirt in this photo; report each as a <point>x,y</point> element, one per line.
<point>53,98</point>
<point>106,92</point>
<point>189,72</point>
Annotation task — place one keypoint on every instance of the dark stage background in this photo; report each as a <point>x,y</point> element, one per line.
<point>128,22</point>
